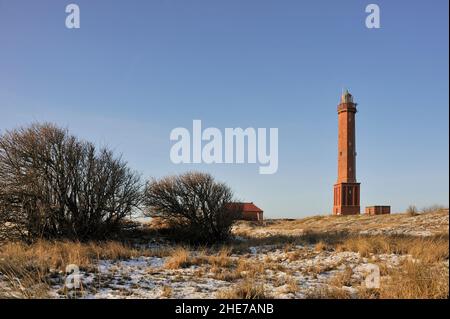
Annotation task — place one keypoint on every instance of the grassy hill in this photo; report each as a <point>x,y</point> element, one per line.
<point>314,257</point>
<point>425,224</point>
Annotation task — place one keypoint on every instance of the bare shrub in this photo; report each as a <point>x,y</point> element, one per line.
<point>412,210</point>
<point>53,185</point>
<point>197,207</point>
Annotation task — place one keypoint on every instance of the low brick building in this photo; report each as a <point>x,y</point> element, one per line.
<point>378,210</point>
<point>250,211</point>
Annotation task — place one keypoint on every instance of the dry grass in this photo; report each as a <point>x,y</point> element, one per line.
<point>416,281</point>
<point>166,292</point>
<point>243,268</point>
<point>433,218</point>
<point>225,274</point>
<point>328,292</point>
<point>221,259</point>
<point>220,264</point>
<point>27,268</point>
<point>343,278</point>
<point>433,208</point>
<point>320,246</point>
<point>292,285</point>
<point>249,269</point>
<point>180,258</point>
<point>412,280</point>
<point>289,282</point>
<point>334,288</point>
<point>427,249</point>
<point>424,277</point>
<point>315,270</point>
<point>247,289</point>
<point>45,255</point>
<point>20,283</point>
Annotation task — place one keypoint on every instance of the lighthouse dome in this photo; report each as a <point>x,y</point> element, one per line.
<point>346,97</point>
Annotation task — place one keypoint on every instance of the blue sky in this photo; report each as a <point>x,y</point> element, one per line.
<point>137,69</point>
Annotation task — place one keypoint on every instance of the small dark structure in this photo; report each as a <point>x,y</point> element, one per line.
<point>378,210</point>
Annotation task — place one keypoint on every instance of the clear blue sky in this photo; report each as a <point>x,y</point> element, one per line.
<point>137,69</point>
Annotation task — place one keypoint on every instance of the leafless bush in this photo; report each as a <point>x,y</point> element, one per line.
<point>195,205</point>
<point>53,185</point>
<point>412,210</point>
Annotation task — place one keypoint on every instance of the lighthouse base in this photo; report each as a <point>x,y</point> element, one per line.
<point>346,199</point>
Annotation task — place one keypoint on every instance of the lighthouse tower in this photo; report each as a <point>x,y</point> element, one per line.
<point>346,189</point>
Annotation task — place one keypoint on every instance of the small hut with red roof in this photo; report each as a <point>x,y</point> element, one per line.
<point>249,211</point>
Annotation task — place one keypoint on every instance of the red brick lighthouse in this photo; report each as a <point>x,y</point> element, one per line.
<point>346,189</point>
